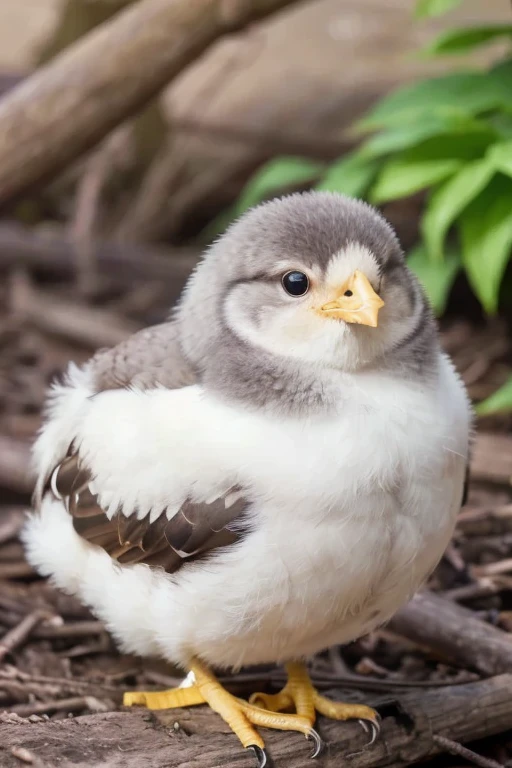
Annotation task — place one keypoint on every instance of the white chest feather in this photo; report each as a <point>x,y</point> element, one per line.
<point>350,513</point>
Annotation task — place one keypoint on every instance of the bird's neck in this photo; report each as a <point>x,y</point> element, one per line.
<point>261,380</point>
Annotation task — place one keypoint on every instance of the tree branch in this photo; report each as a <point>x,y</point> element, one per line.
<point>71,103</point>
<point>454,632</point>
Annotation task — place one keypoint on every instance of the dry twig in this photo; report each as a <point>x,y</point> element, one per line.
<point>53,252</point>
<point>88,198</point>
<point>454,748</point>
<point>19,634</point>
<point>75,704</point>
<point>91,326</point>
<point>455,633</point>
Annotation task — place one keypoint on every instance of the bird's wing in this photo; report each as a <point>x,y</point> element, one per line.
<point>149,359</point>
<point>152,357</point>
<point>194,530</point>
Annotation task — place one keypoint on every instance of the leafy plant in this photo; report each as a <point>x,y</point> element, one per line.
<point>449,137</point>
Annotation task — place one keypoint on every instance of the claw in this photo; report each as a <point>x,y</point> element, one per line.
<point>370,725</point>
<point>261,755</point>
<point>319,745</point>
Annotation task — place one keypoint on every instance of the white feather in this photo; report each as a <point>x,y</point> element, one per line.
<point>352,511</point>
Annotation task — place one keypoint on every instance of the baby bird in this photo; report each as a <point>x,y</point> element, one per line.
<point>275,470</point>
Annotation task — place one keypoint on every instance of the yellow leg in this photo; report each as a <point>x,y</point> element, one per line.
<point>300,693</point>
<point>171,699</point>
<point>240,715</point>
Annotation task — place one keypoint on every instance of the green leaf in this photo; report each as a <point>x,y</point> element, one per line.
<point>500,155</point>
<point>499,402</point>
<point>428,8</point>
<point>274,177</point>
<point>467,146</point>
<point>448,202</point>
<point>471,92</point>
<point>501,75</point>
<point>402,137</point>
<point>352,175</point>
<point>486,236</point>
<point>502,124</point>
<point>437,279</point>
<point>403,177</point>
<point>467,38</point>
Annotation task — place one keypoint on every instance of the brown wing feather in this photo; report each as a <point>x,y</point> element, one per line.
<point>196,529</point>
<point>149,358</point>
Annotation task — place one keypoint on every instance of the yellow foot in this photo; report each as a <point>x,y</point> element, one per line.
<point>240,715</point>
<point>300,695</point>
<point>171,699</point>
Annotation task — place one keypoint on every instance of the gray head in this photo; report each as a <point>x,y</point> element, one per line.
<point>296,292</point>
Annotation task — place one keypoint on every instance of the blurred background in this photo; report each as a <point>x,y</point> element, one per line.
<point>102,217</point>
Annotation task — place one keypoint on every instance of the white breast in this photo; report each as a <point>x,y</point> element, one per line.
<point>351,513</point>
<point>349,526</point>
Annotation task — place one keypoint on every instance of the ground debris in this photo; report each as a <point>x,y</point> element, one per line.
<point>61,678</point>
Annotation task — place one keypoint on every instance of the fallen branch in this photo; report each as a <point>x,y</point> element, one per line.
<point>485,522</point>
<point>68,105</point>
<point>411,723</point>
<point>19,634</point>
<point>455,633</point>
<point>22,686</point>
<point>75,704</point>
<point>51,252</point>
<point>92,327</point>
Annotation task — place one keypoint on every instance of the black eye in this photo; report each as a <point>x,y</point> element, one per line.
<point>348,293</point>
<point>295,283</point>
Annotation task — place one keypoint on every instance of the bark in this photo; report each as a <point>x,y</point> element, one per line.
<point>197,737</point>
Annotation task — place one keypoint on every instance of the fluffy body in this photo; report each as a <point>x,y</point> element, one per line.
<point>349,442</point>
<point>350,513</point>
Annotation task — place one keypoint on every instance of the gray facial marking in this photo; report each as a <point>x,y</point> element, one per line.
<point>302,230</point>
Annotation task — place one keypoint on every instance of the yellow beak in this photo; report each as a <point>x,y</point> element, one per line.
<point>356,302</point>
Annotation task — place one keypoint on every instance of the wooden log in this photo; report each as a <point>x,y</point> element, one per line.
<point>455,633</point>
<point>198,737</point>
<point>71,103</point>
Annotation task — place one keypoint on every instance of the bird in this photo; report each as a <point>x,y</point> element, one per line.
<point>272,471</point>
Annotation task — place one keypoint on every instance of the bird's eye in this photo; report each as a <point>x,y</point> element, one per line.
<point>295,283</point>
